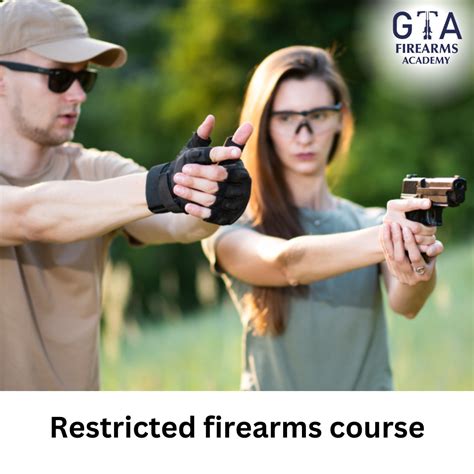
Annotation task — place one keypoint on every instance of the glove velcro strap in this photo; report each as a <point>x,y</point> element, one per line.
<point>158,196</point>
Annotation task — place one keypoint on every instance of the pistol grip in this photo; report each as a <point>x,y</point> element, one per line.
<point>430,217</point>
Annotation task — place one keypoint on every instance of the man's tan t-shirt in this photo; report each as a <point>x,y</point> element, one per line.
<point>51,293</point>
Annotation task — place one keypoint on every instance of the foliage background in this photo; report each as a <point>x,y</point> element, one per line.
<point>188,58</point>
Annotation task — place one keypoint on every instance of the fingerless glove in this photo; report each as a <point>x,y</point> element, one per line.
<point>231,198</point>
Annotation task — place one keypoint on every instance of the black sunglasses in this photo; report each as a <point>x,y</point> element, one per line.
<point>59,80</point>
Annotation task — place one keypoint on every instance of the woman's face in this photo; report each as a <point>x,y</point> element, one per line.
<point>303,142</point>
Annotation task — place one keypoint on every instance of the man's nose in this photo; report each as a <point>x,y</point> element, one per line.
<point>75,94</point>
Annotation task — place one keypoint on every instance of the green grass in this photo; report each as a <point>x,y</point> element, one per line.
<point>195,353</point>
<point>433,352</point>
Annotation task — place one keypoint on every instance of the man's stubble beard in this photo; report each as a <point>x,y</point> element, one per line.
<point>42,136</point>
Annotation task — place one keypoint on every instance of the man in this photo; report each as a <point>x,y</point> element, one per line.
<point>61,204</point>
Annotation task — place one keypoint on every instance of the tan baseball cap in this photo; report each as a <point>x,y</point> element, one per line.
<point>55,31</point>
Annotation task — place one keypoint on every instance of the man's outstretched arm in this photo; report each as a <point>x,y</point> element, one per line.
<point>67,211</point>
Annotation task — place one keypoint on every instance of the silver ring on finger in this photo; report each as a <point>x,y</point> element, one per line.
<point>420,270</point>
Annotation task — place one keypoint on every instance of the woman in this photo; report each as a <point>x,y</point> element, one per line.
<point>303,268</point>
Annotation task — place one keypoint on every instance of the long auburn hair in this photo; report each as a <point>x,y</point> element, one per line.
<point>271,205</point>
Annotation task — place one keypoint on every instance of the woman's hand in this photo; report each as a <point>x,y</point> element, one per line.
<point>396,209</point>
<point>403,255</point>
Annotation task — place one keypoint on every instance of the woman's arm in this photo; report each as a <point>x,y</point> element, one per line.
<point>407,288</point>
<point>261,260</point>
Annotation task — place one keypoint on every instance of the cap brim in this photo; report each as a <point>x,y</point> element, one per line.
<point>77,50</point>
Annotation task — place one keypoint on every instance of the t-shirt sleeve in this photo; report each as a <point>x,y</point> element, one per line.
<point>95,165</point>
<point>371,216</point>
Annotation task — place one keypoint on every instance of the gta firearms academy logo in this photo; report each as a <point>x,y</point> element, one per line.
<point>426,36</point>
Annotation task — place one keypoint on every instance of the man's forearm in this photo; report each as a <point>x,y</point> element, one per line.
<point>66,211</point>
<point>187,229</point>
<point>168,228</point>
